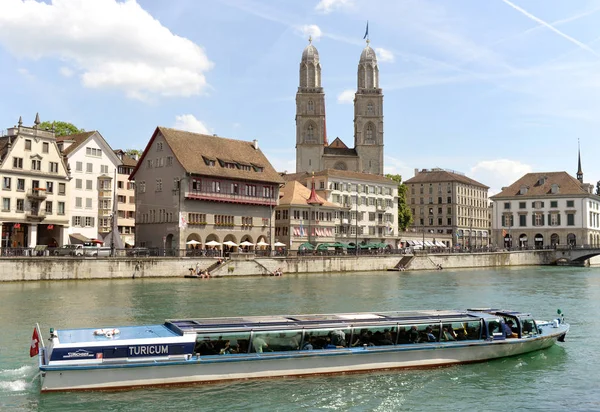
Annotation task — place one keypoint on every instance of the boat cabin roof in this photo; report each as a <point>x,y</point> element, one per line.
<point>286,322</point>
<point>66,336</point>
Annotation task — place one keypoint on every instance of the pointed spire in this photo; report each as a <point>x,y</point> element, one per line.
<point>20,121</point>
<point>37,120</point>
<point>309,39</point>
<point>579,171</point>
<point>314,199</point>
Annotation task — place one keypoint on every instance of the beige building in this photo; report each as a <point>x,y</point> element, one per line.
<point>368,204</point>
<point>35,188</point>
<point>445,203</point>
<point>313,152</point>
<point>302,216</point>
<point>194,188</point>
<point>546,209</point>
<point>126,198</point>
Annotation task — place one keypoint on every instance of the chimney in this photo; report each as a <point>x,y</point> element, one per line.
<point>255,144</point>
<point>416,171</point>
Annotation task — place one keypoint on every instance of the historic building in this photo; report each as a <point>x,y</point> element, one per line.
<point>367,206</point>
<point>93,166</point>
<point>446,202</point>
<point>126,198</point>
<point>195,190</point>
<point>546,209</point>
<point>313,151</point>
<point>35,188</point>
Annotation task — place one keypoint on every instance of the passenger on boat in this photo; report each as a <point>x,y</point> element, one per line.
<point>508,331</point>
<point>259,344</point>
<point>413,336</point>
<point>448,333</point>
<point>330,345</point>
<point>308,345</point>
<point>429,336</point>
<point>338,337</point>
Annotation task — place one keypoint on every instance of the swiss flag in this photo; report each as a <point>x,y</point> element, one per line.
<point>34,349</point>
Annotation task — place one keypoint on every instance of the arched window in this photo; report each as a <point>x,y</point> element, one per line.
<point>310,106</point>
<point>310,133</point>
<point>370,134</point>
<point>370,109</point>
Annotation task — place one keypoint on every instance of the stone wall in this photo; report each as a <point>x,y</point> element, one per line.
<point>40,268</point>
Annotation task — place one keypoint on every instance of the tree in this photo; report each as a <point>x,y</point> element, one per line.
<point>134,152</point>
<point>405,217</point>
<point>61,128</point>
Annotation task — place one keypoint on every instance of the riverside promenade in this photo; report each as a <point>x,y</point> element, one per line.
<point>14,269</point>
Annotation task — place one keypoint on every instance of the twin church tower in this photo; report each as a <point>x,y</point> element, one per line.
<point>313,152</point>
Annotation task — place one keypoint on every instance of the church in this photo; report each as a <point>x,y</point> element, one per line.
<point>313,152</point>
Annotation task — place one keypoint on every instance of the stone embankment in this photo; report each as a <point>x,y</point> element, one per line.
<point>55,268</point>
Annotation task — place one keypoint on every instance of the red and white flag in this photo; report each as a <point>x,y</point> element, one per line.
<point>34,349</point>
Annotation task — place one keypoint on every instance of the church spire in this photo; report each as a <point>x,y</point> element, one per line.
<point>579,171</point>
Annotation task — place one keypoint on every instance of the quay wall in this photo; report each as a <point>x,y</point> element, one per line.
<point>46,268</point>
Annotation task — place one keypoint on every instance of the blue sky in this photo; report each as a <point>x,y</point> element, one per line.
<point>493,89</point>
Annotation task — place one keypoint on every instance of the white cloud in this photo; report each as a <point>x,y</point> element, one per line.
<point>114,44</point>
<point>26,74</point>
<point>188,122</point>
<point>499,173</point>
<point>345,97</point>
<point>65,71</point>
<point>384,55</point>
<point>327,6</point>
<point>311,30</point>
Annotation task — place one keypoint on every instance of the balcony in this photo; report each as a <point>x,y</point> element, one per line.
<point>225,197</point>
<point>35,215</point>
<point>37,193</point>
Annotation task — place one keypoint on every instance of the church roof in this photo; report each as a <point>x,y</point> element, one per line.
<point>310,52</point>
<point>368,55</point>
<point>339,151</point>
<point>337,143</point>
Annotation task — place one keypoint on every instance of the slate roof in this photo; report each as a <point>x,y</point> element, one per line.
<point>296,194</point>
<point>191,150</point>
<point>436,176</point>
<point>339,151</point>
<point>3,146</point>
<point>78,140</point>
<point>567,185</point>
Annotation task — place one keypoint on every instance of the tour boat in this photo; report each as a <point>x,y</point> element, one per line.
<point>184,351</point>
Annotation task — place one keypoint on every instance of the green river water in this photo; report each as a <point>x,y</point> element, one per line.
<point>566,376</point>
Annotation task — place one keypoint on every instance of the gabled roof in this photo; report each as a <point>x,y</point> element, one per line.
<point>540,184</point>
<point>295,193</point>
<point>337,143</point>
<point>339,151</point>
<point>191,150</point>
<point>78,139</point>
<point>440,175</point>
<point>126,159</point>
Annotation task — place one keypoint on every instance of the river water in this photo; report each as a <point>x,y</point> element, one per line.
<point>564,376</point>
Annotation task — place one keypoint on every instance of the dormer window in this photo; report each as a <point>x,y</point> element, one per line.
<point>523,190</point>
<point>209,162</point>
<point>554,188</point>
<point>542,180</point>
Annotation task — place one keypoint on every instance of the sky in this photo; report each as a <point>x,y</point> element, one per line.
<point>493,89</point>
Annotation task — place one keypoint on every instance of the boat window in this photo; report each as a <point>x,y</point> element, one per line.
<point>462,330</point>
<point>374,335</point>
<point>419,333</point>
<point>529,327</point>
<point>271,341</point>
<point>494,329</point>
<point>326,338</point>
<point>221,343</point>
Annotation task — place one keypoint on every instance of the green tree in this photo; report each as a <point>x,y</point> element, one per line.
<point>61,128</point>
<point>405,217</point>
<point>134,152</point>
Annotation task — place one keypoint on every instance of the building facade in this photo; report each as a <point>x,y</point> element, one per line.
<point>446,203</point>
<point>313,152</point>
<point>126,198</point>
<point>546,210</point>
<point>93,166</point>
<point>368,205</point>
<point>194,190</point>
<point>35,188</point>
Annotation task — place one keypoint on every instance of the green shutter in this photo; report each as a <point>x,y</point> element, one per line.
<point>559,219</point>
<point>543,224</point>
<point>533,219</point>
<point>503,220</point>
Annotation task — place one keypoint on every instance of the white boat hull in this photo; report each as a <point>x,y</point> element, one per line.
<point>220,368</point>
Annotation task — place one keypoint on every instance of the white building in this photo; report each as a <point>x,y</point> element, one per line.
<point>93,166</point>
<point>35,189</point>
<point>546,209</point>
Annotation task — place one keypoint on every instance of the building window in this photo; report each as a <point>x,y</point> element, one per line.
<point>522,205</point>
<point>522,220</point>
<point>17,163</point>
<point>6,183</point>
<point>538,219</point>
<point>92,151</point>
<point>61,208</point>
<point>570,217</point>
<point>88,202</point>
<point>122,199</point>
<point>369,137</point>
<point>507,205</point>
<point>370,111</point>
<point>49,187</point>
<point>20,205</point>
<point>48,207</point>
<point>89,167</point>
<point>20,185</point>
<point>104,169</point>
<point>6,204</point>
<point>570,203</point>
<point>554,219</point>
<point>169,161</point>
<point>53,167</point>
<point>142,187</point>
<point>45,147</point>
<point>89,221</point>
<point>78,183</point>
<point>310,106</point>
<point>554,203</point>
<point>36,164</point>
<point>27,144</point>
<point>310,133</point>
<point>159,146</point>
<point>62,187</point>
<point>196,218</point>
<point>89,185</point>
<point>77,221</point>
<point>158,187</point>
<point>79,166</point>
<point>78,202</point>
<point>537,204</point>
